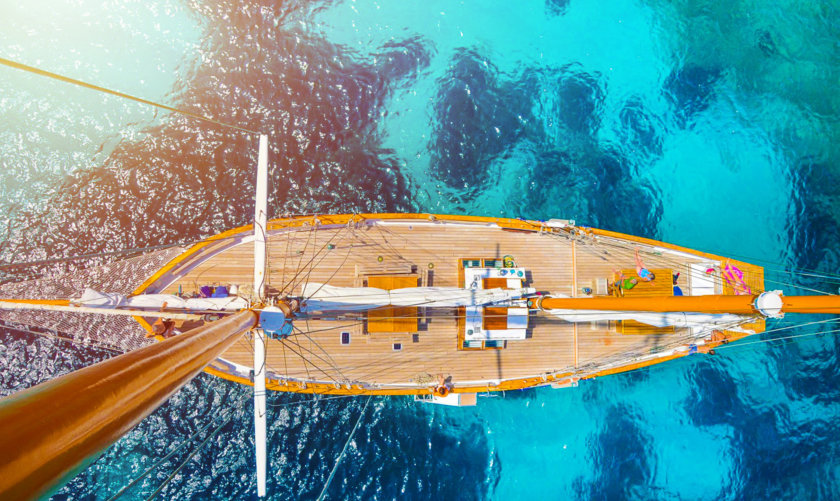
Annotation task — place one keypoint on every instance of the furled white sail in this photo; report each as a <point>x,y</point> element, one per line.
<point>97,299</point>
<point>665,319</point>
<point>328,298</point>
<point>322,297</point>
<point>452,296</point>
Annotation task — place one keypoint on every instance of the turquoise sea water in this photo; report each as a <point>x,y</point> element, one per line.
<point>712,125</point>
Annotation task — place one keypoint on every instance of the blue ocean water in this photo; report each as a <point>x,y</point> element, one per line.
<point>709,124</point>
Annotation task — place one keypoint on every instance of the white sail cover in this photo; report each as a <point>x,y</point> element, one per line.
<point>453,296</point>
<point>97,299</point>
<point>323,297</point>
<point>667,319</point>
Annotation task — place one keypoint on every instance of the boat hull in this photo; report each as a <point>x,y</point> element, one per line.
<point>364,249</point>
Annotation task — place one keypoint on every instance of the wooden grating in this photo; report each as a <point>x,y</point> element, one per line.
<point>392,319</point>
<point>661,285</point>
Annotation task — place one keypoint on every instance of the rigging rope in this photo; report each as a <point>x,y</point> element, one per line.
<point>310,400</point>
<point>86,256</point>
<point>337,461</point>
<point>793,271</point>
<point>189,439</point>
<point>300,354</point>
<point>331,360</point>
<point>291,285</point>
<point>833,331</point>
<point>62,78</point>
<point>831,277</point>
<point>661,256</point>
<point>192,454</point>
<point>339,267</point>
<point>797,286</point>
<point>58,337</point>
<point>795,326</point>
<point>835,279</point>
<point>176,449</point>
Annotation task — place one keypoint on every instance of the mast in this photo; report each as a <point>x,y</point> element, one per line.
<point>52,430</point>
<point>769,304</point>
<point>260,217</point>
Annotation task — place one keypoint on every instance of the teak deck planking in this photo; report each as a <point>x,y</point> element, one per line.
<point>433,250</point>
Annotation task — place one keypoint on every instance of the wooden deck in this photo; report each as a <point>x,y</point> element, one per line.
<point>429,253</point>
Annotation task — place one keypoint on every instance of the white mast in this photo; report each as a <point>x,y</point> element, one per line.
<point>259,289</point>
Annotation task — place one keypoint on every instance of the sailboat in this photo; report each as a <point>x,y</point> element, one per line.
<point>439,307</point>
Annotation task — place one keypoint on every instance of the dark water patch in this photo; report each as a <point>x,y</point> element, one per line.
<point>556,7</point>
<point>402,61</point>
<point>714,397</point>
<point>400,450</point>
<point>205,401</point>
<point>621,202</point>
<point>778,454</point>
<point>185,179</point>
<point>814,233</point>
<point>476,119</point>
<point>690,89</point>
<point>483,117</point>
<point>640,129</point>
<point>557,180</point>
<point>598,184</point>
<point>765,43</point>
<point>29,359</point>
<point>778,460</point>
<point>774,51</point>
<point>811,372</point>
<point>597,187</point>
<point>618,458</point>
<point>580,97</point>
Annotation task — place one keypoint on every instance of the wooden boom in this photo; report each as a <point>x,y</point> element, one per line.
<point>52,430</point>
<point>811,304</point>
<point>739,305</point>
